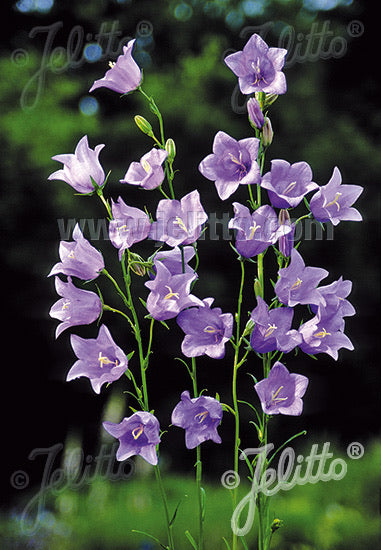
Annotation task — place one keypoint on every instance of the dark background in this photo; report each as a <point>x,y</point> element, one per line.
<point>329,117</point>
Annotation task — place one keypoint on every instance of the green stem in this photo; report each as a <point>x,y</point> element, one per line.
<point>198,470</point>
<point>165,505</point>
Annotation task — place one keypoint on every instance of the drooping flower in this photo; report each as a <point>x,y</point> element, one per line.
<point>173,259</point>
<point>258,67</point>
<point>128,226</point>
<point>297,283</point>
<point>79,258</point>
<point>170,294</point>
<point>282,392</point>
<point>148,173</point>
<point>76,307</point>
<point>179,222</point>
<point>256,117</point>
<point>335,302</point>
<point>272,330</point>
<point>124,76</point>
<point>100,359</point>
<point>231,164</point>
<point>199,417</point>
<point>286,242</point>
<point>81,167</point>
<point>333,202</point>
<point>138,435</point>
<point>287,183</point>
<point>324,334</point>
<point>256,231</point>
<point>206,330</point>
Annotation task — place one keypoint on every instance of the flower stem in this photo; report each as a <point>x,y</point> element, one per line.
<point>171,545</point>
<point>198,470</point>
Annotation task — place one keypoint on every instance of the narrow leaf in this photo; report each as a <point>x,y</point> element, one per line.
<point>191,540</point>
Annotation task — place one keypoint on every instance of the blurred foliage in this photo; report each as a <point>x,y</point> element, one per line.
<point>331,515</point>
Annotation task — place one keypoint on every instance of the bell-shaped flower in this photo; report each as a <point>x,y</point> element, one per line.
<point>148,173</point>
<point>333,202</point>
<point>82,168</point>
<point>258,67</point>
<point>128,226</point>
<point>138,435</point>
<point>335,302</point>
<point>232,163</point>
<point>287,183</point>
<point>199,417</point>
<point>324,334</point>
<point>173,259</point>
<point>297,284</point>
<point>124,76</point>
<point>79,258</point>
<point>179,222</point>
<point>272,330</point>
<point>76,307</point>
<point>170,294</point>
<point>256,231</point>
<point>282,392</point>
<point>206,330</point>
<point>100,359</point>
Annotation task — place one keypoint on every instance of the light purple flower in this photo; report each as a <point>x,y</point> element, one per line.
<point>256,231</point>
<point>124,75</point>
<point>79,258</point>
<point>76,307</point>
<point>170,294</point>
<point>286,242</point>
<point>138,435</point>
<point>199,417</point>
<point>81,167</point>
<point>128,226</point>
<point>335,302</point>
<point>258,67</point>
<point>172,259</point>
<point>206,330</point>
<point>333,201</point>
<point>297,283</point>
<point>282,392</point>
<point>254,111</point>
<point>179,222</point>
<point>100,359</point>
<point>287,183</point>
<point>231,164</point>
<point>148,172</point>
<point>272,330</point>
<point>324,334</point>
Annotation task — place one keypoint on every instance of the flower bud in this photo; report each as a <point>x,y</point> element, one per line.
<point>254,111</point>
<point>286,242</point>
<point>143,125</point>
<point>170,147</point>
<point>276,524</point>
<point>257,288</point>
<point>137,264</point>
<point>267,133</point>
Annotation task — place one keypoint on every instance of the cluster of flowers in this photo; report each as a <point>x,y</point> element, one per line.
<point>179,224</point>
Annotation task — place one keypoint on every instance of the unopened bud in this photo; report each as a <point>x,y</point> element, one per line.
<point>267,133</point>
<point>170,147</point>
<point>284,217</point>
<point>286,240</point>
<point>257,288</point>
<point>143,125</point>
<point>254,111</point>
<point>276,524</point>
<point>137,264</point>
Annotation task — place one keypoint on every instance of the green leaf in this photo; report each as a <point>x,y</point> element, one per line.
<point>151,537</point>
<point>191,539</point>
<point>143,302</point>
<point>226,542</point>
<point>203,503</point>
<point>129,356</point>
<point>174,514</point>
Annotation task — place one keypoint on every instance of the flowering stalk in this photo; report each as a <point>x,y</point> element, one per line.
<point>201,511</point>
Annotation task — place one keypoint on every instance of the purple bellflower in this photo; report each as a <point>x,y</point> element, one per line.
<point>76,307</point>
<point>272,330</point>
<point>333,201</point>
<point>179,222</point>
<point>257,231</point>
<point>100,359</point>
<point>173,259</point>
<point>334,296</point>
<point>324,334</point>
<point>297,283</point>
<point>287,183</point>
<point>124,76</point>
<point>170,294</point>
<point>206,330</point>
<point>128,226</point>
<point>138,435</point>
<point>199,417</point>
<point>79,258</point>
<point>81,167</point>
<point>231,164</point>
<point>282,392</point>
<point>258,67</point>
<point>148,173</point>
<point>286,241</point>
